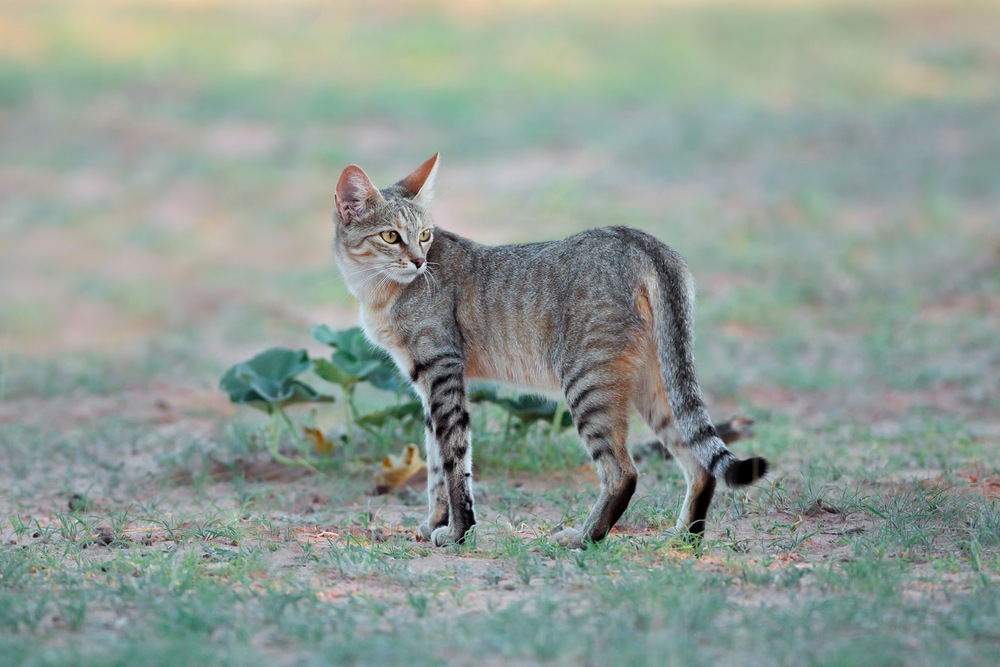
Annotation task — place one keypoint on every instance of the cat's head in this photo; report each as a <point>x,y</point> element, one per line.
<point>383,234</point>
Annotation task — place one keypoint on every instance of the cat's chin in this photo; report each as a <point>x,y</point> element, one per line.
<point>406,277</point>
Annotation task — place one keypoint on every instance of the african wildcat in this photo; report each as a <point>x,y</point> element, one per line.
<point>604,317</point>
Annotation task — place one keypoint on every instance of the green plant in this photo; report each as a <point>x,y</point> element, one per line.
<point>354,361</point>
<point>527,409</point>
<point>270,382</point>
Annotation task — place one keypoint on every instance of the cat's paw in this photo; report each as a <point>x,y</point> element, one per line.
<point>425,529</point>
<point>444,535</point>
<point>569,538</point>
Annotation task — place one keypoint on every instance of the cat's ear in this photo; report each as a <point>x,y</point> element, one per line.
<point>356,195</point>
<point>420,184</point>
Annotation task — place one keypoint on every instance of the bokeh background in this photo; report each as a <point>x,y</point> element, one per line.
<point>830,169</point>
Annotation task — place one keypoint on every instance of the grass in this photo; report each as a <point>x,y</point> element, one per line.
<point>625,600</point>
<point>831,172</point>
<point>258,571</point>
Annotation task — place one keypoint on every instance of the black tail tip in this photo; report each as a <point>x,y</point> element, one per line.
<point>746,472</point>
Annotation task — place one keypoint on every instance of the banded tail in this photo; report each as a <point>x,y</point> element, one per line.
<point>674,325</point>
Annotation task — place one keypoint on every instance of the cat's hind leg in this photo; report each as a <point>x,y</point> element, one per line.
<point>651,402</point>
<point>599,405</point>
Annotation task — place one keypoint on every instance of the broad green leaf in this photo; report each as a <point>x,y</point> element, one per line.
<point>357,368</point>
<point>479,395</point>
<point>357,360</point>
<point>279,363</point>
<point>268,380</point>
<point>412,410</point>
<point>338,339</point>
<point>352,342</point>
<point>334,374</point>
<point>527,408</point>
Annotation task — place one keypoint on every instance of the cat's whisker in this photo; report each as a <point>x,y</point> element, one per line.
<point>431,279</point>
<point>362,269</point>
<point>363,282</point>
<point>386,279</point>
<point>379,272</point>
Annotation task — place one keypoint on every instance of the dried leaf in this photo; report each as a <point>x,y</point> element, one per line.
<point>315,437</point>
<point>819,507</point>
<point>394,471</point>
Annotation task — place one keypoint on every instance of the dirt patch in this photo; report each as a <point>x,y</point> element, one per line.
<point>158,404</point>
<point>975,482</point>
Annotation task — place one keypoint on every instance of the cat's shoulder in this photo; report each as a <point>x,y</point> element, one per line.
<point>446,239</point>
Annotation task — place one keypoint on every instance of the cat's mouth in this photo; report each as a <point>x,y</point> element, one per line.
<point>407,275</point>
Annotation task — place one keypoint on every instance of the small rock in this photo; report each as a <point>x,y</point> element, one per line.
<point>78,503</point>
<point>105,535</point>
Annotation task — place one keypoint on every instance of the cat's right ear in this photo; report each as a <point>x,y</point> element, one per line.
<point>356,195</point>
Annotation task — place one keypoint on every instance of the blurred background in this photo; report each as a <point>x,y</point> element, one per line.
<point>830,169</point>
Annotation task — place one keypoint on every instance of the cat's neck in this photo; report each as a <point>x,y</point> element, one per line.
<point>373,293</point>
<point>376,297</point>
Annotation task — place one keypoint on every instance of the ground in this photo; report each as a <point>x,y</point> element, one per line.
<point>830,171</point>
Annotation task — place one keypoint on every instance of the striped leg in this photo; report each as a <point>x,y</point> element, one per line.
<point>441,381</point>
<point>437,490</point>
<point>651,401</point>
<point>599,406</point>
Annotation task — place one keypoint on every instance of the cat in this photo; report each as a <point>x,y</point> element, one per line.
<point>603,318</point>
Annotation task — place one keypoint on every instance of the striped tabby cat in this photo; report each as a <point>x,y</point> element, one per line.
<point>603,318</point>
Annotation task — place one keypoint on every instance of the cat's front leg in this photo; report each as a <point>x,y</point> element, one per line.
<point>442,382</point>
<point>437,490</point>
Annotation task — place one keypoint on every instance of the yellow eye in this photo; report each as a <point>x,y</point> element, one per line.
<point>390,237</point>
<point>425,235</point>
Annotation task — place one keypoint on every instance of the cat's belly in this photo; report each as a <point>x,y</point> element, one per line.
<point>513,365</point>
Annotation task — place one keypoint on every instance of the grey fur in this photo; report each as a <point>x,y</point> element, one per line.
<point>604,318</point>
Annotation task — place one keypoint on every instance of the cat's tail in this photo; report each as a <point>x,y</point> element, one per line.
<point>674,326</point>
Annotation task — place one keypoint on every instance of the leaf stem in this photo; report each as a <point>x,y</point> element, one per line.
<point>275,433</point>
<point>348,405</point>
<point>557,419</point>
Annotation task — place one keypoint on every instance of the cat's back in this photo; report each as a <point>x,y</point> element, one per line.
<point>606,262</point>
<point>591,251</point>
<point>517,306</point>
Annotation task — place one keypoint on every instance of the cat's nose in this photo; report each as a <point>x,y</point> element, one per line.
<point>418,262</point>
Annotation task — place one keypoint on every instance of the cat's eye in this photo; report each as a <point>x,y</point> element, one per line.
<point>425,235</point>
<point>390,237</point>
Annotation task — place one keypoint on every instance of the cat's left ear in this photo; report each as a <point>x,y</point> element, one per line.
<point>420,184</point>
